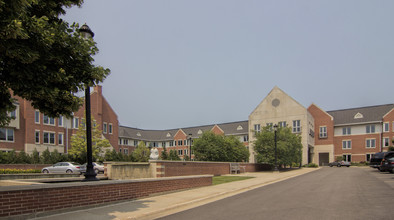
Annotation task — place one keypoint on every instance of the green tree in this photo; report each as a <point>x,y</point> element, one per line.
<point>23,158</point>
<point>43,59</point>
<point>46,157</point>
<point>164,154</point>
<point>289,147</point>
<point>78,143</point>
<point>173,155</point>
<point>35,157</point>
<point>141,153</point>
<point>212,147</point>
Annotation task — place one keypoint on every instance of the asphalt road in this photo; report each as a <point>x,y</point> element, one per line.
<point>329,193</point>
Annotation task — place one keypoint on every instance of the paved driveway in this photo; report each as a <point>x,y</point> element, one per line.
<point>329,193</point>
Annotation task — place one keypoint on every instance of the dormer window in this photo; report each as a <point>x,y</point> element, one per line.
<point>139,134</point>
<point>199,132</point>
<point>358,116</point>
<point>239,128</point>
<point>168,135</point>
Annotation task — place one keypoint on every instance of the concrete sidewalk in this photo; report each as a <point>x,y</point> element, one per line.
<point>169,203</point>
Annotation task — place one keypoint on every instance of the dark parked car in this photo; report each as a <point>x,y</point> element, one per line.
<point>387,164</point>
<point>378,157</point>
<point>339,164</point>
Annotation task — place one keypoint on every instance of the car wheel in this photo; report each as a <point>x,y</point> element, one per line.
<point>391,171</point>
<point>45,171</point>
<point>69,171</point>
<point>339,165</point>
<point>347,166</point>
<point>381,170</point>
<point>330,165</point>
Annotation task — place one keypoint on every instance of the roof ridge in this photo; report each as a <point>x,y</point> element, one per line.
<point>360,107</point>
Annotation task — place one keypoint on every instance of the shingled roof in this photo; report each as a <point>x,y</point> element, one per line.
<point>232,128</point>
<point>360,115</point>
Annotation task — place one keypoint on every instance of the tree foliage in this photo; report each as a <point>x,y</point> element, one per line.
<point>164,154</point>
<point>173,155</point>
<point>43,59</point>
<point>78,143</point>
<point>212,147</point>
<point>289,147</point>
<point>141,153</point>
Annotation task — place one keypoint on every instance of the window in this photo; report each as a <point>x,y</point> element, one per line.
<point>13,114</point>
<point>347,131</point>
<point>6,134</point>
<point>346,144</point>
<point>60,139</point>
<point>270,126</point>
<point>110,128</point>
<point>60,121</point>
<point>386,142</point>
<point>126,151</point>
<point>347,157</point>
<point>155,144</point>
<point>368,157</point>
<point>163,144</point>
<point>296,126</point>
<point>104,127</point>
<point>257,128</point>
<point>171,143</point>
<point>323,132</point>
<point>386,126</point>
<point>180,152</point>
<point>370,129</point>
<point>48,120</point>
<point>282,124</point>
<point>180,142</point>
<point>37,117</point>
<point>120,150</point>
<point>125,142</point>
<point>37,134</point>
<point>49,138</point>
<point>184,142</point>
<point>135,143</point>
<point>75,123</point>
<point>370,143</point>
<point>246,138</point>
<point>186,152</point>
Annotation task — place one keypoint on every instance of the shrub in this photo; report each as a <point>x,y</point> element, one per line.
<point>311,165</point>
<point>16,171</point>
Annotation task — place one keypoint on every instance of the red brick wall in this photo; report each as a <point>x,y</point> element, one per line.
<point>358,150</point>
<point>389,118</point>
<point>183,168</point>
<point>33,200</point>
<point>322,118</point>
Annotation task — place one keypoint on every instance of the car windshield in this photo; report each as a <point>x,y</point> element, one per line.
<point>73,163</point>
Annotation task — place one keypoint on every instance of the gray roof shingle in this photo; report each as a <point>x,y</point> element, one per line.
<point>370,114</point>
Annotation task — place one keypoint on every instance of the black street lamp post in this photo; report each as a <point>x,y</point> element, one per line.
<point>276,155</point>
<point>90,175</point>
<point>190,147</point>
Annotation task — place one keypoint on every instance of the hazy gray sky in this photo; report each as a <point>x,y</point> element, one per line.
<point>178,63</point>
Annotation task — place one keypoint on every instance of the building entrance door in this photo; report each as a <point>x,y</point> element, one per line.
<point>323,159</point>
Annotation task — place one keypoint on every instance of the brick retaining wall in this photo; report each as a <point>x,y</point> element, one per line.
<point>185,168</point>
<point>33,199</point>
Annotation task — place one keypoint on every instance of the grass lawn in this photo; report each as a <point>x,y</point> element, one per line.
<point>226,179</point>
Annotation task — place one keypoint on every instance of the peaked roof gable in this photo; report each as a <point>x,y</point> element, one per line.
<point>275,99</point>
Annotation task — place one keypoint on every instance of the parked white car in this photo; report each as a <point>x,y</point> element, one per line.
<point>97,167</point>
<point>63,167</point>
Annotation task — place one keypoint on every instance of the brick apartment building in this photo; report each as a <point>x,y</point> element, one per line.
<point>353,134</point>
<point>32,129</point>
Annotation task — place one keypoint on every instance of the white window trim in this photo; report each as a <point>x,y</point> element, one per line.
<point>49,138</point>
<point>110,128</point>
<point>58,138</point>
<point>35,112</point>
<point>49,120</point>
<point>6,135</point>
<point>76,122</point>
<point>347,144</point>
<point>369,139</point>
<point>105,127</point>
<point>39,136</point>
<point>60,119</point>
<point>323,134</point>
<point>384,141</point>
